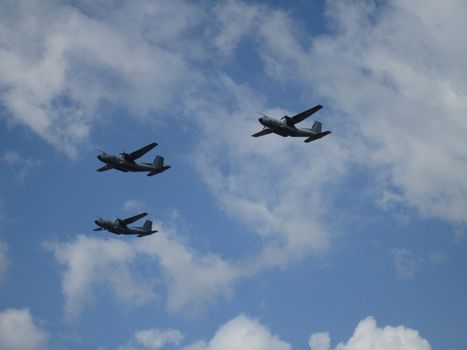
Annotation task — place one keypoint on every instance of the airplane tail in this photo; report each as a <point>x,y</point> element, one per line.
<point>158,163</point>
<point>147,228</point>
<point>316,128</point>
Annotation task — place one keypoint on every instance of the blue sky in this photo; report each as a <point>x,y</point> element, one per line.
<point>355,241</point>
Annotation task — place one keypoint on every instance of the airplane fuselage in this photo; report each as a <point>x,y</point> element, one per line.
<point>281,128</point>
<point>119,229</point>
<point>122,164</point>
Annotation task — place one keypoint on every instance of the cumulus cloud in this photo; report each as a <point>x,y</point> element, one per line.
<point>91,262</point>
<point>319,341</point>
<point>241,332</point>
<point>368,336</point>
<point>193,279</point>
<point>18,331</point>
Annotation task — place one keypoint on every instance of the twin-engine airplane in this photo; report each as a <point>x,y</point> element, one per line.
<point>126,162</point>
<point>119,226</point>
<point>286,126</point>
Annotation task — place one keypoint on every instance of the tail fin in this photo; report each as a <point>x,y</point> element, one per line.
<point>316,128</point>
<point>147,227</point>
<point>158,161</point>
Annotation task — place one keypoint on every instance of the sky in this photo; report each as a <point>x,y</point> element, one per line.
<point>354,241</point>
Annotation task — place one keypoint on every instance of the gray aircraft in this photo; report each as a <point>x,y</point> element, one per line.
<point>286,126</point>
<point>126,161</point>
<point>120,226</point>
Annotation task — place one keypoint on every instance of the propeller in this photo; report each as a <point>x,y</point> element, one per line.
<point>126,156</point>
<point>288,120</point>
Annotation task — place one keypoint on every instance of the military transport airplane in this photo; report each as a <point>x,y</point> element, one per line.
<point>286,126</point>
<point>119,226</point>
<point>126,161</point>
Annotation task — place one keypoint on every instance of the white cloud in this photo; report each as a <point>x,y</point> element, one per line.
<point>243,332</point>
<point>240,333</point>
<point>270,184</point>
<point>405,262</point>
<point>158,338</point>
<point>4,260</point>
<point>63,64</point>
<point>236,19</point>
<point>400,90</point>
<point>92,262</point>
<point>319,341</point>
<point>192,279</point>
<point>18,331</point>
<point>368,336</point>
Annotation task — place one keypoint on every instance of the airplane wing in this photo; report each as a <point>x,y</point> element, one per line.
<point>262,132</point>
<point>104,168</point>
<point>302,116</point>
<point>133,219</point>
<point>142,151</point>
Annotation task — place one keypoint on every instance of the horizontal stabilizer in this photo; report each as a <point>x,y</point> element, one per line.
<point>147,234</point>
<point>158,171</point>
<point>316,137</point>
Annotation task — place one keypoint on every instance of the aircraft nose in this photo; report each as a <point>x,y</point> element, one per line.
<point>99,157</point>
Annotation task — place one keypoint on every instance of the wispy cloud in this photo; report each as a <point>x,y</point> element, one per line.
<point>19,164</point>
<point>133,205</point>
<point>4,259</point>
<point>405,262</point>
